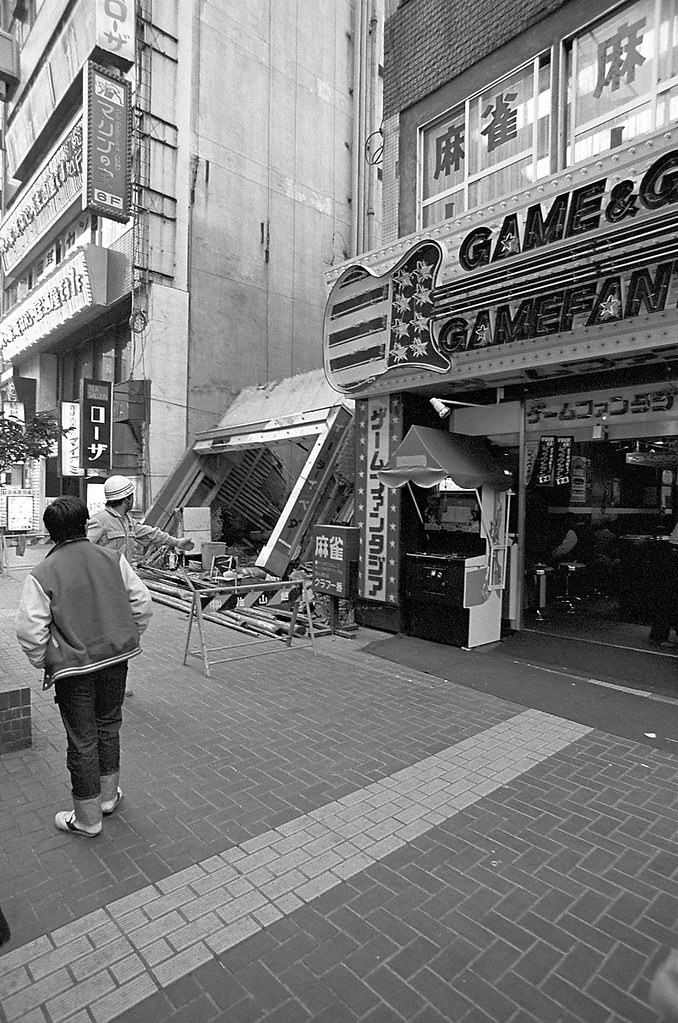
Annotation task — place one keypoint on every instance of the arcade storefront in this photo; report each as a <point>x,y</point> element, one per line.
<point>516,380</point>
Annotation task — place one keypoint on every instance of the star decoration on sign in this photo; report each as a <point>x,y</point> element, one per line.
<point>422,296</point>
<point>420,323</point>
<point>403,279</point>
<point>402,303</point>
<point>481,333</point>
<point>424,270</point>
<point>509,244</point>
<point>610,308</point>
<point>411,342</point>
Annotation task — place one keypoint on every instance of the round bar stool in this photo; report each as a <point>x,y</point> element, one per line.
<point>541,573</point>
<point>567,602</point>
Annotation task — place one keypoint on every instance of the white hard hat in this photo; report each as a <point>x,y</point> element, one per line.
<point>118,487</point>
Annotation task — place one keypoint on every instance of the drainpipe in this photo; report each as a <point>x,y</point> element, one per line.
<point>356,155</point>
<point>522,507</point>
<point>373,124</point>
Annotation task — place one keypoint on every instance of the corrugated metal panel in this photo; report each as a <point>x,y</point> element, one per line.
<point>305,397</point>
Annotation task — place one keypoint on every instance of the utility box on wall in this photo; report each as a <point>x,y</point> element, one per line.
<point>132,401</point>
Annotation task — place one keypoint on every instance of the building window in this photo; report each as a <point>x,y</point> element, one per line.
<point>622,75</point>
<point>105,357</point>
<point>493,144</point>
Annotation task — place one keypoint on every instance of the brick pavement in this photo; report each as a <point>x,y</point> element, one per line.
<point>334,838</point>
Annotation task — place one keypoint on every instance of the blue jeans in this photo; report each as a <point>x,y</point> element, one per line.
<point>91,710</point>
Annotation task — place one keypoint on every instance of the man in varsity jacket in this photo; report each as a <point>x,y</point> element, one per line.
<point>80,617</point>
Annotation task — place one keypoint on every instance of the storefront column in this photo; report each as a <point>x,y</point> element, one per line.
<point>522,506</point>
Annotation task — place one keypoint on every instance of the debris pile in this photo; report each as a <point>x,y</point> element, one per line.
<point>269,613</point>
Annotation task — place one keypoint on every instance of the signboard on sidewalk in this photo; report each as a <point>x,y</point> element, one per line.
<point>335,559</point>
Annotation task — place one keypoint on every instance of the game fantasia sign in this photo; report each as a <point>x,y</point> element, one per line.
<point>593,255</point>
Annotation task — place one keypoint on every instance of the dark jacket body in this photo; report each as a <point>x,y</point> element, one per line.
<point>85,597</point>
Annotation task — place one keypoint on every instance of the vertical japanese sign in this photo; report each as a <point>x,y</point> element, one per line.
<point>115,29</point>
<point>563,460</point>
<point>107,144</point>
<point>70,441</point>
<point>546,461</point>
<point>379,425</point>
<point>95,426</point>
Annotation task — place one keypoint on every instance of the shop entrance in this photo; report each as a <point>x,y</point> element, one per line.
<point>600,565</point>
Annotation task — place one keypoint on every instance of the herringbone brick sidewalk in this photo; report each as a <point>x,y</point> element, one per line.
<point>334,838</point>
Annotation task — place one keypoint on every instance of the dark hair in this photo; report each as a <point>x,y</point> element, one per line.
<point>66,518</point>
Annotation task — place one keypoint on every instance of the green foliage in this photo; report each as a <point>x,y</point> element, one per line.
<point>34,439</point>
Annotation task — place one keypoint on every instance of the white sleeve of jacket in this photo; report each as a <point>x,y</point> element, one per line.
<point>32,621</point>
<point>139,597</point>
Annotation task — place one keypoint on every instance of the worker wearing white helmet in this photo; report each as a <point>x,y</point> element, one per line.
<point>114,526</point>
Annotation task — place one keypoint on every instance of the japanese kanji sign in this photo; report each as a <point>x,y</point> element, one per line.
<point>95,427</point>
<point>619,55</point>
<point>107,148</point>
<point>44,201</point>
<point>335,551</point>
<point>617,64</point>
<point>58,298</point>
<point>379,431</point>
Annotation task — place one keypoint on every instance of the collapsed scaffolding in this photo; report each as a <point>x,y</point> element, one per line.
<point>268,473</point>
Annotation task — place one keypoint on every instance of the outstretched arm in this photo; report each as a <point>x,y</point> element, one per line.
<point>147,535</point>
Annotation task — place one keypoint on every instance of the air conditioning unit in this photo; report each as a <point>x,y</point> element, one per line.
<point>132,401</point>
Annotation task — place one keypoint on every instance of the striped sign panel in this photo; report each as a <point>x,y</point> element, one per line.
<point>374,324</point>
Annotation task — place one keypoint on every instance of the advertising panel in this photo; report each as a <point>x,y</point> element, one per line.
<point>78,283</point>
<point>70,442</point>
<point>335,559</point>
<point>377,508</point>
<point>115,29</point>
<point>43,201</point>
<point>62,295</point>
<point>532,274</point>
<point>107,145</point>
<point>95,425</point>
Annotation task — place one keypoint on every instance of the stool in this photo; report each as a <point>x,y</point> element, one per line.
<point>568,603</point>
<point>540,573</point>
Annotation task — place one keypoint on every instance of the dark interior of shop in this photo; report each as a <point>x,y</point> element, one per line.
<point>615,582</point>
<point>614,585</point>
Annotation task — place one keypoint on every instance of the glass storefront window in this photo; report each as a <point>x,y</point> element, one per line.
<point>622,76</point>
<point>495,143</point>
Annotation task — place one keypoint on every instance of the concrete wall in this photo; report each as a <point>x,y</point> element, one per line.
<point>270,209</point>
<point>161,354</point>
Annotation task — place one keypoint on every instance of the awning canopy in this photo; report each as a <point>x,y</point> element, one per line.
<point>426,457</point>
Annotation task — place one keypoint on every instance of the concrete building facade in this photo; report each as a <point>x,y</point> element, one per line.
<point>244,171</point>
